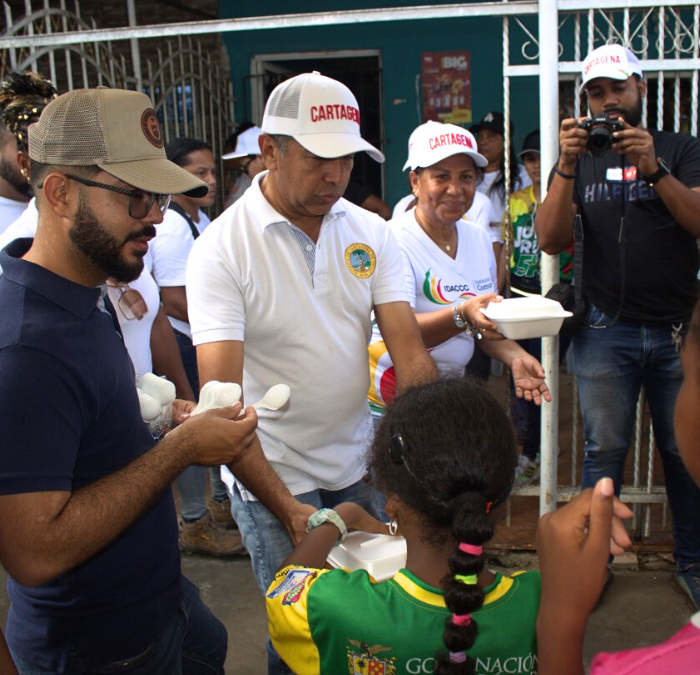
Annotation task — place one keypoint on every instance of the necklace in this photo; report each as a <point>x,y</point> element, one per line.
<point>447,245</point>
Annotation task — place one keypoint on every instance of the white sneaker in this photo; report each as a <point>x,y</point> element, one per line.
<point>526,471</point>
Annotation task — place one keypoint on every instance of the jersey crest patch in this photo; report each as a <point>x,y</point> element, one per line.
<point>363,659</point>
<point>361,260</point>
<point>292,586</point>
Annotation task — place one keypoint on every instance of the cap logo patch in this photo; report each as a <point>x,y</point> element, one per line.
<point>151,128</point>
<point>488,118</point>
<point>335,111</point>
<point>450,139</point>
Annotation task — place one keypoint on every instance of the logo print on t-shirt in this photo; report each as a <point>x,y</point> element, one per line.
<point>361,260</point>
<point>434,290</point>
<point>362,659</point>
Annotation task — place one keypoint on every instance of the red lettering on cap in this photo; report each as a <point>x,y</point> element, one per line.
<point>432,143</point>
<point>334,111</point>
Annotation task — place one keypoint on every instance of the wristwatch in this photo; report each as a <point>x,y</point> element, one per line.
<point>464,325</point>
<point>327,516</point>
<point>663,170</point>
<point>457,318</point>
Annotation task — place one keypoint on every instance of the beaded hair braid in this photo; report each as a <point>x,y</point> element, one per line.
<point>23,96</point>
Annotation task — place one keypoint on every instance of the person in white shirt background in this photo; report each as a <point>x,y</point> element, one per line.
<point>22,98</point>
<point>204,527</point>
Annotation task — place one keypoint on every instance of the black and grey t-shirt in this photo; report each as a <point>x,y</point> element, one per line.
<point>661,258</point>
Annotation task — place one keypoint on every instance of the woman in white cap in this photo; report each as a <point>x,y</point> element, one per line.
<point>450,268</point>
<point>247,162</point>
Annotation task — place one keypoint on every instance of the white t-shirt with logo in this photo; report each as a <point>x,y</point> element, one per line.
<point>137,333</point>
<point>248,280</point>
<point>435,281</point>
<point>499,205</point>
<point>171,249</point>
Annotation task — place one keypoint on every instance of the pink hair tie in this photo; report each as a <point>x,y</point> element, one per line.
<point>472,550</point>
<point>458,657</point>
<point>461,619</point>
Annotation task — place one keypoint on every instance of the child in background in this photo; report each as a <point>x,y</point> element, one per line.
<point>525,276</point>
<point>443,473</point>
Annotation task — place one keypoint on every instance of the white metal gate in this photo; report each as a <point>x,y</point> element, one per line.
<point>665,37</point>
<point>190,90</point>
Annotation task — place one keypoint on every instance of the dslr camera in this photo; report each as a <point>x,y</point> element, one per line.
<point>600,129</point>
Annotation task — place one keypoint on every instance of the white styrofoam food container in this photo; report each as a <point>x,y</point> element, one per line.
<point>531,317</point>
<point>379,554</point>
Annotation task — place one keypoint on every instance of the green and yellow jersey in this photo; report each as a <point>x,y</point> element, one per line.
<point>331,622</point>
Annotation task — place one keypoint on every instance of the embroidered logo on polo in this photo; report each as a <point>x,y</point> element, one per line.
<point>436,291</point>
<point>363,659</point>
<point>151,128</point>
<point>361,260</point>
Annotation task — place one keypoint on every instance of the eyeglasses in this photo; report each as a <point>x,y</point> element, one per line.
<point>131,303</point>
<point>140,202</point>
<point>247,163</point>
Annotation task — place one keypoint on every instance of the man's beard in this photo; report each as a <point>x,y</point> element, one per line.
<point>10,172</point>
<point>633,116</point>
<point>102,249</point>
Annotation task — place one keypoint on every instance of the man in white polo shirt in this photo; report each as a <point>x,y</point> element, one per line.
<point>281,288</point>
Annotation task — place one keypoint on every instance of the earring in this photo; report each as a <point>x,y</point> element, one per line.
<point>24,172</point>
<point>393,527</point>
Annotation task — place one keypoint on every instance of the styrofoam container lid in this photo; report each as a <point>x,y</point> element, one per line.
<point>525,309</point>
<point>530,317</point>
<point>382,555</point>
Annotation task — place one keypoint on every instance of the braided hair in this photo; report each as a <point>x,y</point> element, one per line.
<point>447,450</point>
<point>23,97</point>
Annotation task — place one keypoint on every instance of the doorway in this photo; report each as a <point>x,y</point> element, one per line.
<point>360,71</point>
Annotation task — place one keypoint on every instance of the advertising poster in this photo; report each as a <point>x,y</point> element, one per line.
<point>446,83</point>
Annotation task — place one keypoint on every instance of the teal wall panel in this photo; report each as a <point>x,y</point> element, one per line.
<point>401,44</point>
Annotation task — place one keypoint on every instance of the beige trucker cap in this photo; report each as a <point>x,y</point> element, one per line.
<point>115,129</point>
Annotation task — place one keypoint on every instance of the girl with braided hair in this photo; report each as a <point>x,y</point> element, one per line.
<point>444,455</point>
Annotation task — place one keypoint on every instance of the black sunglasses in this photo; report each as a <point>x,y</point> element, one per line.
<point>140,201</point>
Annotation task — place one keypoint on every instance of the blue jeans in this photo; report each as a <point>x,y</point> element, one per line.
<point>526,416</point>
<point>191,483</point>
<point>195,642</point>
<point>268,543</point>
<point>612,364</point>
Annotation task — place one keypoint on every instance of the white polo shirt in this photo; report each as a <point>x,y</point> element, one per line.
<point>248,279</point>
<point>170,250</point>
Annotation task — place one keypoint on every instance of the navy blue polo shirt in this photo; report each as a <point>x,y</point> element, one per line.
<point>69,415</point>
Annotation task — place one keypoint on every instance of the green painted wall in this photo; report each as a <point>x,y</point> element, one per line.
<point>401,44</point>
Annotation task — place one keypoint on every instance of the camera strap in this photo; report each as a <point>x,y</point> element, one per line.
<point>622,242</point>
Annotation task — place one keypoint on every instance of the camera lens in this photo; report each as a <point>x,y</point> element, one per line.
<point>599,141</point>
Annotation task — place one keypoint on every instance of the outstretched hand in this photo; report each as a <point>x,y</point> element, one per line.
<point>528,379</point>
<point>356,518</point>
<point>573,545</point>
<point>471,310</point>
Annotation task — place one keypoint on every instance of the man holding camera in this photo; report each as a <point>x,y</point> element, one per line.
<point>638,195</point>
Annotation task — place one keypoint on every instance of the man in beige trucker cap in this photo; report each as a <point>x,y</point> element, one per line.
<point>88,531</point>
<point>281,288</point>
